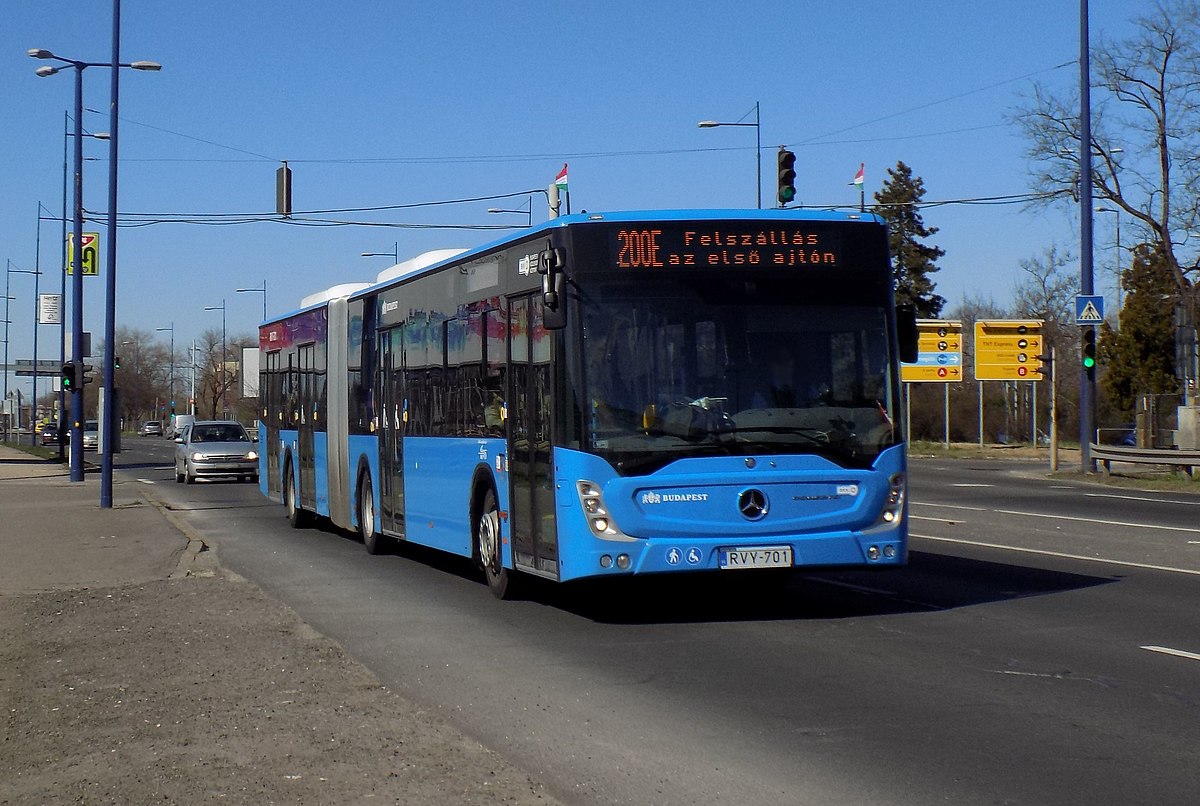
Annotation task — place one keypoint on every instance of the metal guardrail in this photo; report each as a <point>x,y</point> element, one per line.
<point>1106,454</point>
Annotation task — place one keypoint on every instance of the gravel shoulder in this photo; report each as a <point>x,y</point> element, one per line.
<point>203,689</point>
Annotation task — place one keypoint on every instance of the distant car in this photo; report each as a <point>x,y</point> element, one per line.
<point>91,435</point>
<point>215,448</point>
<point>49,434</point>
<point>151,428</point>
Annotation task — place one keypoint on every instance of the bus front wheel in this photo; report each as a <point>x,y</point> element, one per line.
<point>500,580</point>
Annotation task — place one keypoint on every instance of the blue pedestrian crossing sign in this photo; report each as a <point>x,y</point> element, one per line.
<point>1089,309</point>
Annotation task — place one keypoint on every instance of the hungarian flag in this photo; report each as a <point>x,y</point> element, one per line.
<point>858,177</point>
<point>561,179</point>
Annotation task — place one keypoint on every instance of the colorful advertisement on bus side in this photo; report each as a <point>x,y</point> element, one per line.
<point>303,328</point>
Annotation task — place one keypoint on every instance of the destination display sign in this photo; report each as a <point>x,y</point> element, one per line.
<point>752,244</point>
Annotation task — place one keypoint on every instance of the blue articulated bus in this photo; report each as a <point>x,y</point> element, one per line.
<point>605,395</point>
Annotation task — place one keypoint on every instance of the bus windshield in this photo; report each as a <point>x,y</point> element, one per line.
<point>681,366</point>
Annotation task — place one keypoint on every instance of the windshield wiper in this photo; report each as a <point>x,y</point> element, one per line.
<point>814,435</point>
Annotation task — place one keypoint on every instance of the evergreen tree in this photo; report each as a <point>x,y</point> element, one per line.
<point>1140,357</point>
<point>912,261</point>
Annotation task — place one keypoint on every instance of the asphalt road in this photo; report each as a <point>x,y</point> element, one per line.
<point>1042,647</point>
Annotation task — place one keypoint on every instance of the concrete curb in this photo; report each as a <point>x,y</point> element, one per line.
<point>199,558</point>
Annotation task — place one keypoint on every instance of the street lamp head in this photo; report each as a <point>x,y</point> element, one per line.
<point>40,53</point>
<point>43,72</point>
<point>214,307</point>
<point>497,210</point>
<point>151,66</point>
<point>708,124</point>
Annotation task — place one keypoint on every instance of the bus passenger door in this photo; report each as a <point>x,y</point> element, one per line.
<point>390,394</point>
<point>531,496</point>
<point>308,381</point>
<point>271,393</point>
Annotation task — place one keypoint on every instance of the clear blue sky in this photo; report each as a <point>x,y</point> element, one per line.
<point>331,87</point>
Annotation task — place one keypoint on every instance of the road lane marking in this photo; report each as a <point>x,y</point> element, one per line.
<point>950,506</point>
<point>1059,554</point>
<point>1143,498</point>
<point>935,520</point>
<point>1179,653</point>
<point>145,481</point>
<point>970,484</point>
<point>1095,520</point>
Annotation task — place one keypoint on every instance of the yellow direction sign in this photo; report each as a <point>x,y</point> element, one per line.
<point>1008,350</point>
<point>939,353</point>
<point>91,253</point>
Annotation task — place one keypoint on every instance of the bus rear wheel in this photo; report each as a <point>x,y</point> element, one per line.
<point>372,540</point>
<point>502,581</point>
<point>295,514</point>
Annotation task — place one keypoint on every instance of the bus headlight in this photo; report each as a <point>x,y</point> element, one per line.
<point>597,515</point>
<point>893,505</point>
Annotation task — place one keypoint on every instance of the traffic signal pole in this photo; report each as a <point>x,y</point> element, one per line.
<point>1087,380</point>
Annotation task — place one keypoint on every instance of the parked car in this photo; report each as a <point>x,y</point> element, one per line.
<point>49,434</point>
<point>215,448</point>
<point>151,428</point>
<point>91,435</point>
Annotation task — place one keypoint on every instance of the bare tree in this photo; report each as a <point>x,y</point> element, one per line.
<point>1145,128</point>
<point>1047,292</point>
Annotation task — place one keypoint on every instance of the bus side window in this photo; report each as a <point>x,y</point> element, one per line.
<point>494,325</point>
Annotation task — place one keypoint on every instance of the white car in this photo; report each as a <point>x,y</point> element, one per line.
<point>215,448</point>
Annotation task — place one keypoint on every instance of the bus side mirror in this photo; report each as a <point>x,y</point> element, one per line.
<point>906,332</point>
<point>550,265</point>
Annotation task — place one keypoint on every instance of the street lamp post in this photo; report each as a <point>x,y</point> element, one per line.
<point>221,308</point>
<point>77,276</point>
<point>171,377</point>
<point>192,361</point>
<point>262,291</point>
<point>62,327</point>
<point>527,211</point>
<point>394,254</point>
<point>1117,265</point>
<point>713,124</point>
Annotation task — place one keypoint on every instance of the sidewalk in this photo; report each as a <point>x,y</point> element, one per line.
<point>134,670</point>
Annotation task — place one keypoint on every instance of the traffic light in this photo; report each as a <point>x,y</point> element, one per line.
<point>85,374</point>
<point>68,376</point>
<point>787,176</point>
<point>1087,351</point>
<point>116,362</point>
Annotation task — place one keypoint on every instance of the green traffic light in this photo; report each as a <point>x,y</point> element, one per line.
<point>1088,362</point>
